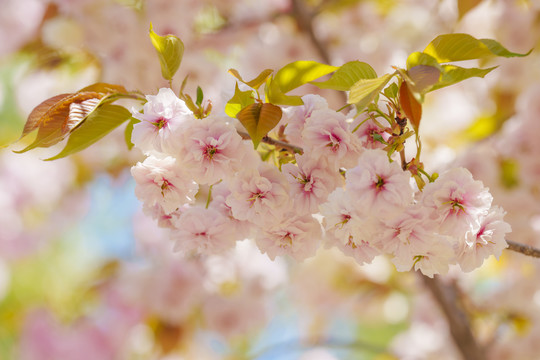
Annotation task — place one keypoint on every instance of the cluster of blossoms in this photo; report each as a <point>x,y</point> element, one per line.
<point>207,185</point>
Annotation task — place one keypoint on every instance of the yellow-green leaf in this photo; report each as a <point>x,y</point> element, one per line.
<point>420,58</point>
<point>129,131</point>
<point>299,73</point>
<point>499,50</point>
<point>452,74</point>
<point>347,75</point>
<point>255,83</point>
<point>258,119</point>
<point>240,100</point>
<point>365,90</point>
<point>458,47</point>
<point>410,106</point>
<point>275,96</point>
<point>98,124</point>
<point>170,51</point>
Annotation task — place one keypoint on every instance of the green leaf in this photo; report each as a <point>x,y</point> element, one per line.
<point>458,47</point>
<point>276,96</point>
<point>452,74</point>
<point>420,58</point>
<point>391,91</point>
<point>240,100</point>
<point>200,96</point>
<point>347,75</point>
<point>128,131</point>
<point>299,73</point>
<point>98,124</point>
<point>170,50</point>
<point>255,83</point>
<point>499,50</point>
<point>258,119</point>
<point>365,90</point>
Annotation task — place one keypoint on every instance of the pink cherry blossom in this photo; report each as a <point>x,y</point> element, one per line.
<point>297,236</point>
<point>365,130</point>
<point>326,135</point>
<point>261,197</point>
<point>161,181</point>
<point>413,238</point>
<point>457,201</point>
<point>295,117</point>
<point>488,240</point>
<point>431,255</point>
<point>203,231</point>
<point>311,181</point>
<point>212,150</point>
<point>161,120</point>
<point>350,228</point>
<point>379,185</point>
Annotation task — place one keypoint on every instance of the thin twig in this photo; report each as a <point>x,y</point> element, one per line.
<point>278,143</point>
<point>524,249</point>
<point>458,323</point>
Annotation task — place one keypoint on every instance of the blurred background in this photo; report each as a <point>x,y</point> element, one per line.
<point>85,275</point>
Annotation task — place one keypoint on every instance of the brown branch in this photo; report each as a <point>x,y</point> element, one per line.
<point>446,297</point>
<point>304,19</point>
<point>524,249</point>
<point>278,143</point>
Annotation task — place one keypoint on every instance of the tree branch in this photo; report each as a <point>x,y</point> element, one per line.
<point>446,297</point>
<point>278,143</point>
<point>304,19</point>
<point>524,249</point>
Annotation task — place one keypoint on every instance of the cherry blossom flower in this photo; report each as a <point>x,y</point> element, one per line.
<point>203,231</point>
<point>261,197</point>
<point>366,130</point>
<point>161,120</point>
<point>295,117</point>
<point>311,181</point>
<point>348,227</point>
<point>431,256</point>
<point>457,201</point>
<point>161,181</point>
<point>379,185</point>
<point>326,135</point>
<point>297,236</point>
<point>413,238</point>
<point>212,150</point>
<point>488,240</point>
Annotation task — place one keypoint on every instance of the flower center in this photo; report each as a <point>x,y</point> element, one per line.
<point>210,151</point>
<point>254,197</point>
<point>160,122</point>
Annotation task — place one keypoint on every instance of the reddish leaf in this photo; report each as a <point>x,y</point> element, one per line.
<point>410,106</point>
<point>53,120</point>
<point>34,119</point>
